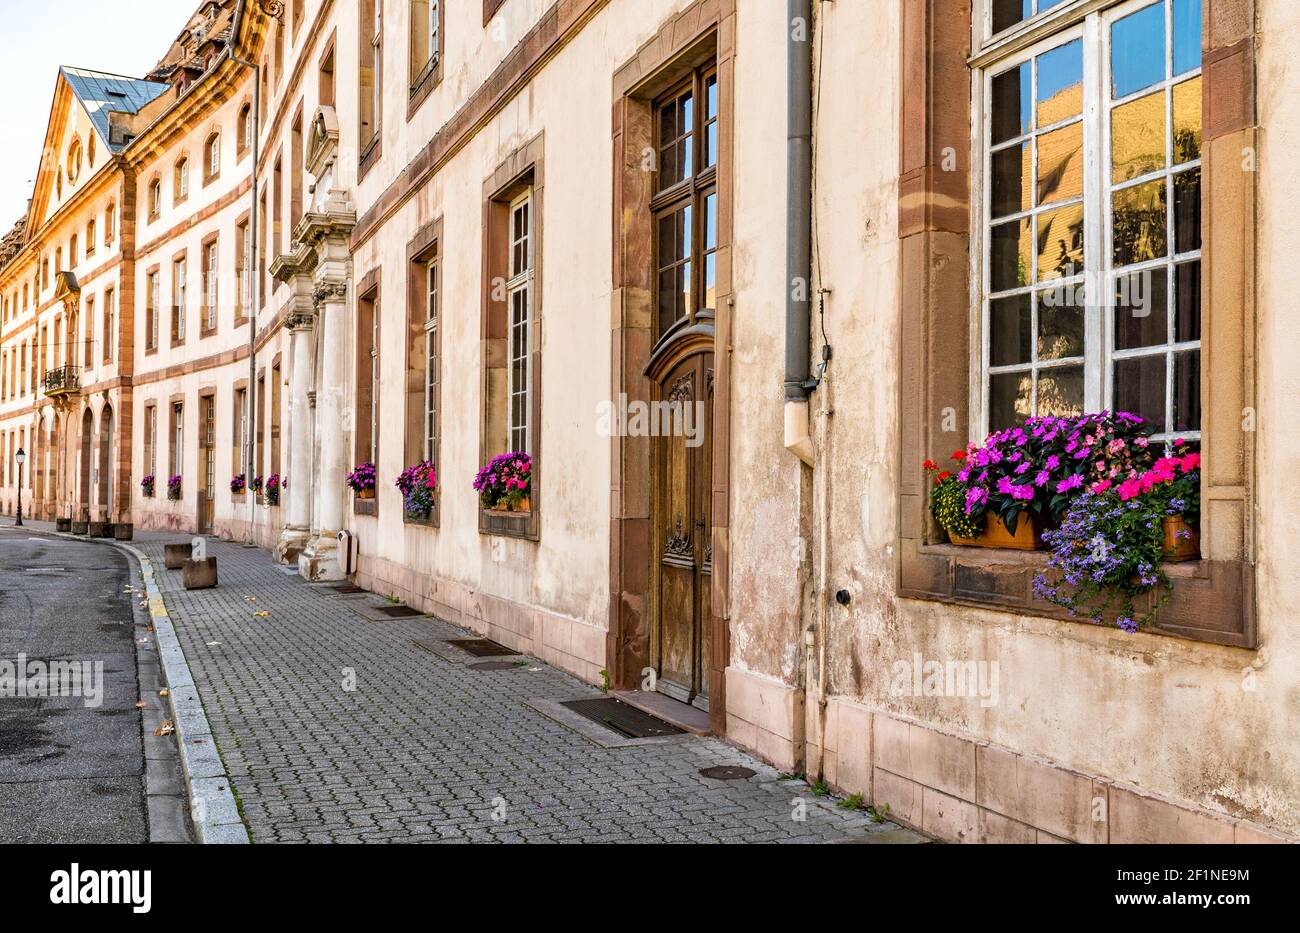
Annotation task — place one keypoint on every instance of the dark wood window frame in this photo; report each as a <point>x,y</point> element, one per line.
<point>365,435</point>
<point>430,74</point>
<point>1213,598</point>
<point>210,305</point>
<point>690,192</point>
<point>522,171</point>
<point>424,248</point>
<point>490,8</point>
<point>371,141</point>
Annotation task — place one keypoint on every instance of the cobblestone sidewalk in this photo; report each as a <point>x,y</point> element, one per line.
<point>425,748</point>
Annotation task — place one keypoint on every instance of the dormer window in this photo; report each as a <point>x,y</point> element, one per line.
<point>74,161</point>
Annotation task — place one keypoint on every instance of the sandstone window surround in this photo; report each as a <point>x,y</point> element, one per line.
<point>212,158</point>
<point>90,238</point>
<point>424,51</point>
<point>152,305</point>
<point>511,327</point>
<point>424,357</point>
<point>110,323</point>
<point>239,434</point>
<point>180,297</point>
<point>244,132</point>
<point>370,84</point>
<point>209,253</point>
<point>150,458</point>
<point>181,180</point>
<point>366,390</point>
<point>155,198</point>
<point>947,46</point>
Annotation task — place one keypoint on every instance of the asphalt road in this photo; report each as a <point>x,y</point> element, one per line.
<point>71,767</point>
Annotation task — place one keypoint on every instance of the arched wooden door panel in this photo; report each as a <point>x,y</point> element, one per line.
<point>681,545</point>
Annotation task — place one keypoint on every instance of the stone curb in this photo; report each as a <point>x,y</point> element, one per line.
<point>212,804</point>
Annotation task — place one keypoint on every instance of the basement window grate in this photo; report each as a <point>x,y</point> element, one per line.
<point>400,612</point>
<point>727,773</point>
<point>622,718</point>
<point>497,665</point>
<point>482,647</point>
<point>347,588</point>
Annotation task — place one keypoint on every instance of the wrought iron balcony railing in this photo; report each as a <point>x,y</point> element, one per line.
<point>63,380</point>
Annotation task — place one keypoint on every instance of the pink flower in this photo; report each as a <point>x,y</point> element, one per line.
<point>1101,485</point>
<point>1073,481</point>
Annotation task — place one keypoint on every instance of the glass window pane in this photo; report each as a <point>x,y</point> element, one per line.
<point>1137,50</point>
<point>1187,301</point>
<point>1187,391</point>
<point>1140,388</point>
<point>1007,13</point>
<point>1011,170</point>
<point>1187,35</point>
<point>1009,399</point>
<point>1137,137</point>
<point>1187,121</point>
<point>1011,108</point>
<point>1060,243</point>
<point>1060,323</point>
<point>1187,211</point>
<point>1141,308</point>
<point>1060,164</point>
<point>1010,330</point>
<point>1060,391</point>
<point>1140,228</point>
<point>1010,255</point>
<point>1060,83</point>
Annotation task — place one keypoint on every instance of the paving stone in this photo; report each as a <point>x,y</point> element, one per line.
<point>335,728</point>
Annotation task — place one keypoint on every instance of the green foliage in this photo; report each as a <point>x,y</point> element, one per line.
<point>948,506</point>
<point>852,802</point>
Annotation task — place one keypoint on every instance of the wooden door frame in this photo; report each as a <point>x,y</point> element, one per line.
<point>704,30</point>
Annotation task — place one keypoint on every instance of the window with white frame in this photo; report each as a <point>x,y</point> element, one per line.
<point>179,283</point>
<point>431,363</point>
<point>1090,242</point>
<point>110,323</point>
<point>519,288</point>
<point>210,285</point>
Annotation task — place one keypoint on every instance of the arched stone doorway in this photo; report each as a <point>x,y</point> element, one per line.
<point>104,497</point>
<point>83,487</point>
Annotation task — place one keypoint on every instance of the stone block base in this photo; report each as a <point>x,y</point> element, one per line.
<point>319,562</point>
<point>199,574</point>
<point>175,555</point>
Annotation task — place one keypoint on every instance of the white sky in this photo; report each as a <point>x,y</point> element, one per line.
<point>36,37</point>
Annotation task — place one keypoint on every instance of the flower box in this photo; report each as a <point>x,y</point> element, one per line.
<point>1182,541</point>
<point>523,505</point>
<point>995,534</point>
<point>367,493</point>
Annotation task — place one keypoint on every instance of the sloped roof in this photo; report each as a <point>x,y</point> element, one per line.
<point>100,93</point>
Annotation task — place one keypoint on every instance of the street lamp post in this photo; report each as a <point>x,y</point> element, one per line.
<point>21,458</point>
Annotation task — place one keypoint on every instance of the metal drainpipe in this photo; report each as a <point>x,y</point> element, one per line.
<point>254,279</point>
<point>798,255</point>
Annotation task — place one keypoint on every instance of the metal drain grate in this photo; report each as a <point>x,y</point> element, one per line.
<point>482,647</point>
<point>347,588</point>
<point>727,773</point>
<point>400,612</point>
<point>622,718</point>
<point>497,666</point>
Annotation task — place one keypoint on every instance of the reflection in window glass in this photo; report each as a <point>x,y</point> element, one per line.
<point>1137,137</point>
<point>1187,121</point>
<point>1141,309</point>
<point>1011,108</point>
<point>1140,387</point>
<point>1011,170</point>
<point>1137,51</point>
<point>1060,164</point>
<point>1060,243</point>
<point>1187,35</point>
<point>1060,83</point>
<point>1011,326</point>
<point>1140,227</point>
<point>1060,391</point>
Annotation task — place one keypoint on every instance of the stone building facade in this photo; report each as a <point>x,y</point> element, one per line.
<point>390,231</point>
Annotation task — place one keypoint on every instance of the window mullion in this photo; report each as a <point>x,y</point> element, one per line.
<point>1096,132</point>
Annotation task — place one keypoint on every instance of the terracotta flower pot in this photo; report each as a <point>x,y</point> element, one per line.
<point>995,534</point>
<point>1180,547</point>
<point>366,493</point>
<point>523,505</point>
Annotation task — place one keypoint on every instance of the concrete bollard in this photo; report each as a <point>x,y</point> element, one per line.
<point>63,524</point>
<point>175,555</point>
<point>79,527</point>
<point>122,531</point>
<point>199,574</point>
<point>99,530</point>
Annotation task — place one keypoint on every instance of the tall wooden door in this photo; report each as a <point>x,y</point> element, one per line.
<point>207,460</point>
<point>683,543</point>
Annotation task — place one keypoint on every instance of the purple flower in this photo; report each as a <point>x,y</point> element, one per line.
<point>1073,481</point>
